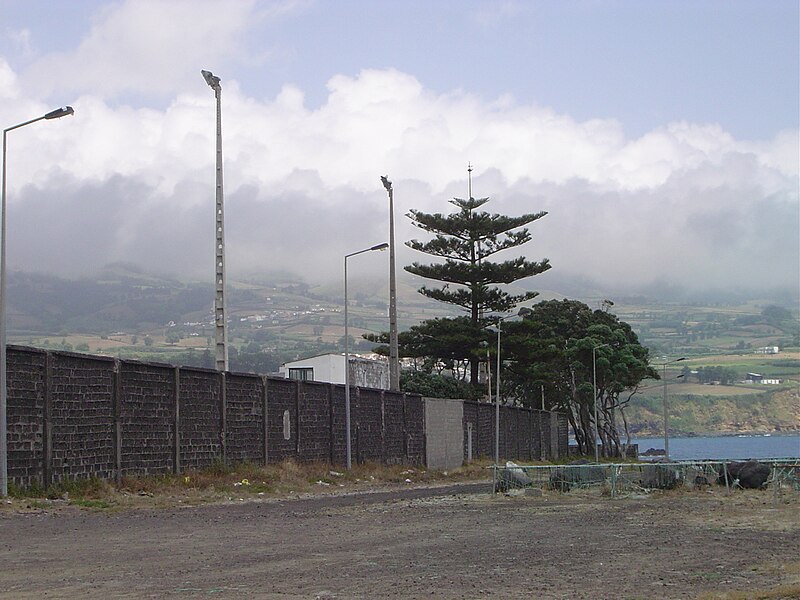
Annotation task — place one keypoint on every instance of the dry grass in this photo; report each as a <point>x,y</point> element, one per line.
<point>241,482</point>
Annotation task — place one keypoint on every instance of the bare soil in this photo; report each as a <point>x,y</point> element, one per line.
<point>432,542</point>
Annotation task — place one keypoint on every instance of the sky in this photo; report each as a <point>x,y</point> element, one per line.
<point>661,137</point>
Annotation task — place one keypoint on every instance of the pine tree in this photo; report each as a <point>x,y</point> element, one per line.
<point>466,240</point>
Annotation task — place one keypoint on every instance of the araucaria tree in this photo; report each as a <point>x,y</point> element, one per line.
<point>466,240</point>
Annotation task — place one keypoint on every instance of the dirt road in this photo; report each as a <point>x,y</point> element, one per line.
<point>432,543</point>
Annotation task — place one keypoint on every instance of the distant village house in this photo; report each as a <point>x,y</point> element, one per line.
<point>768,350</point>
<point>758,378</point>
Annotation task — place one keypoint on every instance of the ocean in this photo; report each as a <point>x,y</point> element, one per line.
<point>728,446</point>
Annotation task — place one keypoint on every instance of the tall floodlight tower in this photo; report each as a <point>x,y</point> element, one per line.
<point>220,321</point>
<point>394,354</point>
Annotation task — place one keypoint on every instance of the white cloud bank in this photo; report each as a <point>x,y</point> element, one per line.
<point>685,203</point>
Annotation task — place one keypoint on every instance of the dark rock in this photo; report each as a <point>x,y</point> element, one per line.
<point>749,474</point>
<point>660,477</point>
<point>654,452</point>
<point>512,477</point>
<point>575,473</point>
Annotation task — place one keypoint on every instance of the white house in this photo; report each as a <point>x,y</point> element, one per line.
<point>768,350</point>
<point>364,372</point>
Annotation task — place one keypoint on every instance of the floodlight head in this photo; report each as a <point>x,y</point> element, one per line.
<point>386,183</point>
<point>211,79</point>
<point>59,112</point>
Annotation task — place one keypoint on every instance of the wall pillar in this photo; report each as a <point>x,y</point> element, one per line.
<point>116,402</point>
<point>264,412</point>
<point>176,423</point>
<point>47,425</point>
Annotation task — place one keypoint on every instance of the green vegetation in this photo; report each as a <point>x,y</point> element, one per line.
<point>567,351</point>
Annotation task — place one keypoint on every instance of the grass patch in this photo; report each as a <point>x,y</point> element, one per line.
<point>234,482</point>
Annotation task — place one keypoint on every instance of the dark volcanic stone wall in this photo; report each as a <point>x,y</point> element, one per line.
<point>78,416</point>
<point>25,416</point>
<point>147,417</point>
<point>200,420</point>
<point>82,416</point>
<point>244,400</point>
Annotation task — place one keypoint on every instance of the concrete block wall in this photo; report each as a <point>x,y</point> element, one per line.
<point>27,433</point>
<point>200,418</point>
<point>80,399</point>
<point>147,411</point>
<point>77,416</point>
<point>525,434</point>
<point>245,401</point>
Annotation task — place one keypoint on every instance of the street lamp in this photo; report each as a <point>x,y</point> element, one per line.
<point>666,411</point>
<point>220,321</point>
<point>594,385</point>
<point>54,114</point>
<point>347,353</point>
<point>394,354</point>
<point>497,386</point>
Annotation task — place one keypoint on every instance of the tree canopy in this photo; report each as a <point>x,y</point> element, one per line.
<point>552,346</point>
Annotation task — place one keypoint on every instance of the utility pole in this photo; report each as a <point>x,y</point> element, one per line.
<point>394,354</point>
<point>220,320</point>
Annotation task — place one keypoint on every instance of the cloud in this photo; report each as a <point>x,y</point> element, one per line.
<point>149,48</point>
<point>685,203</point>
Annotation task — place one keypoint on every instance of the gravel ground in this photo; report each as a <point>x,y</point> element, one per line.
<point>454,542</point>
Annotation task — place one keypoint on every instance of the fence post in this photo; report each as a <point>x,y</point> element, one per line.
<point>554,435</point>
<point>297,385</point>
<point>405,430</point>
<point>383,427</point>
<point>265,414</point>
<point>725,472</point>
<point>47,442</point>
<point>176,433</point>
<point>116,401</point>
<point>331,430</point>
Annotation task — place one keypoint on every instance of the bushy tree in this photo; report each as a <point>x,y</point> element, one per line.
<point>552,347</point>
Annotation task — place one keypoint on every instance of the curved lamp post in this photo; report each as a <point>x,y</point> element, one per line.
<point>666,410</point>
<point>54,114</point>
<point>347,353</point>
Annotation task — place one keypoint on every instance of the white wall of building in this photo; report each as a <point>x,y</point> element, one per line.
<point>329,368</point>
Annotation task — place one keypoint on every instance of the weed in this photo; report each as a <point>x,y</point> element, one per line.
<point>91,503</point>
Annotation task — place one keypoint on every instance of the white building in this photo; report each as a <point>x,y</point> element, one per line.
<point>364,372</point>
<point>768,350</point>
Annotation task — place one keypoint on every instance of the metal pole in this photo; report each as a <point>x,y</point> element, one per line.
<point>666,406</point>
<point>497,403</point>
<point>347,355</point>
<point>220,320</point>
<point>347,372</point>
<point>3,391</point>
<point>594,386</point>
<point>394,354</point>
<point>55,114</point>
